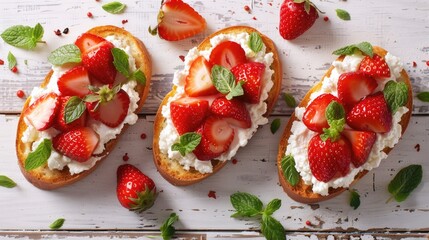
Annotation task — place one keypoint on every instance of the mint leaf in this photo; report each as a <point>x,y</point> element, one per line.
<point>364,47</point>
<point>289,171</point>
<point>273,206</point>
<point>354,199</point>
<point>23,36</point>
<point>69,53</point>
<point>120,60</point>
<point>38,32</point>
<point>335,114</point>
<point>275,125</point>
<point>255,42</point>
<point>405,181</point>
<point>245,204</point>
<point>224,82</point>
<point>423,96</point>
<point>57,224</point>
<point>6,182</point>
<point>289,99</point>
<point>343,14</point>
<point>187,143</point>
<point>74,109</point>
<point>396,95</point>
<point>139,77</point>
<point>114,7</point>
<point>334,111</point>
<point>11,60</point>
<point>237,90</point>
<point>167,229</point>
<point>39,156</point>
<point>272,229</point>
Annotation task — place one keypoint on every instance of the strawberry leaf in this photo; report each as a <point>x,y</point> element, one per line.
<point>224,82</point>
<point>423,96</point>
<point>39,156</point>
<point>335,114</point>
<point>120,60</point>
<point>289,99</point>
<point>11,60</point>
<point>396,95</point>
<point>289,171</point>
<point>354,199</point>
<point>364,47</point>
<point>272,229</point>
<point>75,107</point>
<point>255,42</point>
<point>6,182</point>
<point>273,206</point>
<point>114,7</point>
<point>246,205</point>
<point>405,181</point>
<point>57,224</point>
<point>275,125</point>
<point>187,143</point>
<point>69,53</point>
<point>343,14</point>
<point>167,229</point>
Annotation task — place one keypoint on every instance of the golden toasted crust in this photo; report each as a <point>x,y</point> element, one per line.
<point>45,178</point>
<point>302,192</point>
<point>173,171</point>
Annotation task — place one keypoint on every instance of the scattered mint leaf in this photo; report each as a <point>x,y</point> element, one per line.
<point>11,60</point>
<point>275,125</point>
<point>290,100</point>
<point>289,170</point>
<point>354,199</point>
<point>69,53</point>
<point>57,224</point>
<point>343,14</point>
<point>255,42</point>
<point>364,47</point>
<point>167,229</point>
<point>245,204</point>
<point>23,36</point>
<point>140,77</point>
<point>224,82</point>
<point>75,107</point>
<point>39,156</point>
<point>396,95</point>
<point>26,62</point>
<point>423,96</point>
<point>120,60</point>
<point>335,114</point>
<point>114,7</point>
<point>153,31</point>
<point>187,143</point>
<point>272,229</point>
<point>405,181</point>
<point>273,206</point>
<point>6,182</point>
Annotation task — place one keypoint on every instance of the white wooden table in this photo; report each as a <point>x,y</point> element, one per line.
<point>90,206</point>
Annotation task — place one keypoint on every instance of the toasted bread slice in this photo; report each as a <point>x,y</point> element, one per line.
<point>45,178</point>
<point>302,192</point>
<point>172,171</point>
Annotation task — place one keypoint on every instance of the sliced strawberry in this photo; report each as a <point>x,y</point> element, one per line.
<point>361,142</point>
<point>98,60</point>
<point>188,114</point>
<point>353,86</point>
<point>371,114</point>
<point>42,112</point>
<point>227,54</point>
<point>233,111</point>
<point>111,112</point>
<point>329,159</point>
<point>177,20</point>
<point>87,40</point>
<point>60,120</point>
<point>217,136</point>
<point>314,115</point>
<point>74,82</point>
<point>77,144</point>
<point>251,74</point>
<point>375,67</point>
<point>198,82</point>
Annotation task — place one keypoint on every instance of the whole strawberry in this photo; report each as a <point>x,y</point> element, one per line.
<point>135,191</point>
<point>296,17</point>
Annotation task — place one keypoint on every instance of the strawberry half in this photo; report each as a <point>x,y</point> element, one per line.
<point>233,111</point>
<point>361,142</point>
<point>135,190</point>
<point>188,114</point>
<point>227,54</point>
<point>42,112</point>
<point>177,20</point>
<point>98,60</point>
<point>77,144</point>
<point>353,86</point>
<point>314,115</point>
<point>74,82</point>
<point>251,74</point>
<point>294,19</point>
<point>87,40</point>
<point>60,120</point>
<point>198,82</point>
<point>375,67</point>
<point>371,114</point>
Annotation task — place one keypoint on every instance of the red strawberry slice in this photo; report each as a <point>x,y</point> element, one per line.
<point>371,114</point>
<point>188,114</point>
<point>98,60</point>
<point>111,112</point>
<point>87,40</point>
<point>328,159</point>
<point>354,86</point>
<point>227,54</point>
<point>362,143</point>
<point>77,144</point>
<point>177,20</point>
<point>233,111</point>
<point>251,74</point>
<point>216,135</point>
<point>314,115</point>
<point>42,112</point>
<point>294,19</point>
<point>375,67</point>
<point>74,82</point>
<point>198,82</point>
<point>60,120</point>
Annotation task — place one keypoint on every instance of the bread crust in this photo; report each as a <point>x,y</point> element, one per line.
<point>45,178</point>
<point>172,171</point>
<point>303,193</point>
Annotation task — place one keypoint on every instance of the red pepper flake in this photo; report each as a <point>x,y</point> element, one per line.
<point>66,30</point>
<point>212,194</point>
<point>1,62</point>
<point>247,8</point>
<point>143,136</point>
<point>124,21</point>
<point>20,93</point>
<point>326,18</point>
<point>57,32</point>
<point>234,161</point>
<point>254,18</point>
<point>125,157</point>
<point>414,64</point>
<point>308,223</point>
<point>182,58</point>
<point>89,14</point>
<point>417,147</point>
<point>14,69</point>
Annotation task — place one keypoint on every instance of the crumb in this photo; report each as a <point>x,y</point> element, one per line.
<point>212,194</point>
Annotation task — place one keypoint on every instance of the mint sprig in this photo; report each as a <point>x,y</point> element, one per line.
<point>248,205</point>
<point>364,47</point>
<point>57,224</point>
<point>6,182</point>
<point>23,36</point>
<point>255,42</point>
<point>11,59</point>
<point>121,63</point>
<point>335,115</point>
<point>39,156</point>
<point>74,109</point>
<point>354,199</point>
<point>69,53</point>
<point>167,229</point>
<point>114,7</point>
<point>187,143</point>
<point>289,171</point>
<point>224,82</point>
<point>396,95</point>
<point>343,14</point>
<point>405,181</point>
